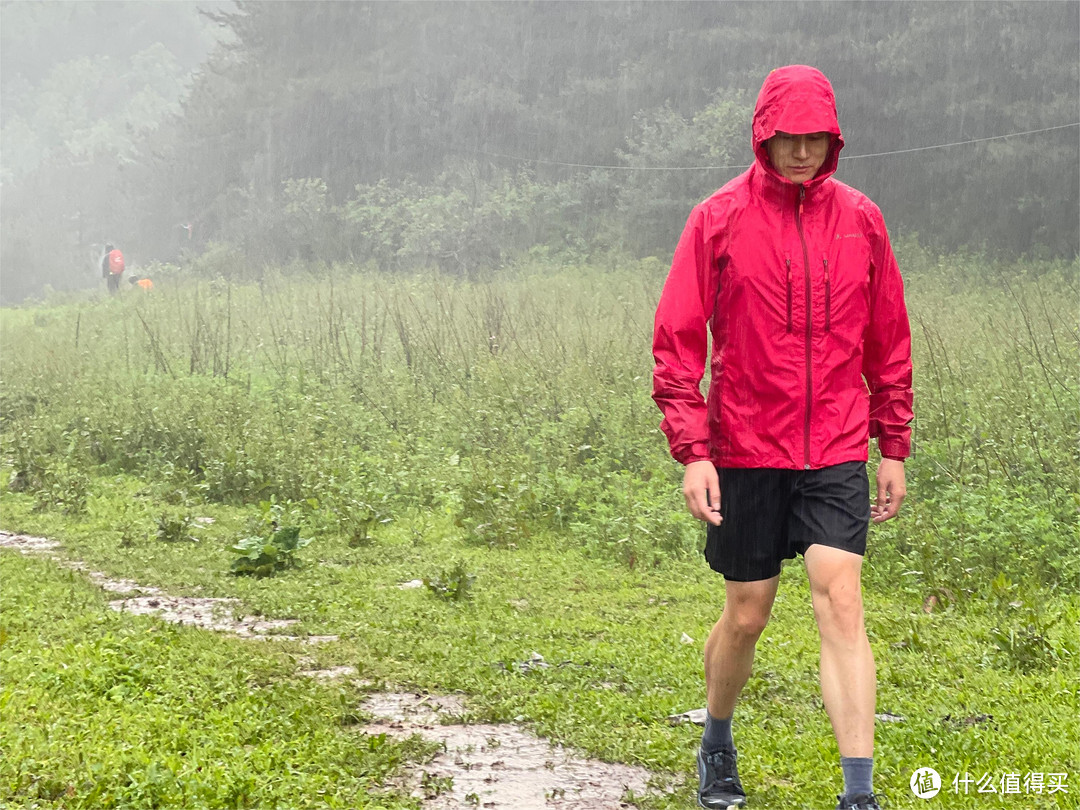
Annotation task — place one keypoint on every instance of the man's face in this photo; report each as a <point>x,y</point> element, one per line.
<point>798,157</point>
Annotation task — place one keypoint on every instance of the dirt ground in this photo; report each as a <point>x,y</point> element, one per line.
<point>497,766</point>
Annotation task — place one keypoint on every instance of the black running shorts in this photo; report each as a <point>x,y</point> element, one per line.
<point>772,515</point>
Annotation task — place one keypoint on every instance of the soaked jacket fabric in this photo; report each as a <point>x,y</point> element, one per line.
<point>798,288</point>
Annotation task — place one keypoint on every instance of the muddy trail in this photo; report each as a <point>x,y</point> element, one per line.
<point>498,766</point>
<point>210,613</point>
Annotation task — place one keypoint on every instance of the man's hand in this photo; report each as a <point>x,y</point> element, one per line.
<point>701,488</point>
<point>890,490</point>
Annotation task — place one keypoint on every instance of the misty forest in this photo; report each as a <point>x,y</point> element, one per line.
<point>349,490</point>
<point>408,135</point>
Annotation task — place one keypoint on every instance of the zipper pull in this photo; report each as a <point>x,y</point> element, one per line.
<point>802,194</point>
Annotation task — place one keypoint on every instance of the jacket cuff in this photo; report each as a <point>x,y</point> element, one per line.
<point>692,460</point>
<point>697,451</point>
<point>893,448</point>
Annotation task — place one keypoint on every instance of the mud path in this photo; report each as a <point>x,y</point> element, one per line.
<point>210,613</point>
<point>498,766</point>
<point>501,767</point>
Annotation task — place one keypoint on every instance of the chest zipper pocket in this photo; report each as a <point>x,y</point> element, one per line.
<point>828,295</point>
<point>789,326</point>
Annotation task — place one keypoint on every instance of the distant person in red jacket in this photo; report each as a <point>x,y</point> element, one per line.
<point>791,274</point>
<point>112,268</point>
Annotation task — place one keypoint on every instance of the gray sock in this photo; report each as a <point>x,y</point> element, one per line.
<point>717,735</point>
<point>858,775</point>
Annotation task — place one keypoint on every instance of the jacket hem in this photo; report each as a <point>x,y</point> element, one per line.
<point>763,463</point>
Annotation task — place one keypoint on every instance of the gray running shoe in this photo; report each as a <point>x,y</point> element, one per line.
<point>860,801</point>
<point>718,781</point>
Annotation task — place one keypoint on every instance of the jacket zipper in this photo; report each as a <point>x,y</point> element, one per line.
<point>809,366</point>
<point>789,324</point>
<point>828,295</point>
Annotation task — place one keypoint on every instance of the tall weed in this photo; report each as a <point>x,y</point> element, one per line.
<point>520,407</point>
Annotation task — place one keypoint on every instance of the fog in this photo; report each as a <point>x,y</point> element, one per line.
<point>230,137</point>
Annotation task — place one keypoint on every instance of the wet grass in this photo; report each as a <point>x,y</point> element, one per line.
<point>421,429</point>
<point>104,710</point>
<point>612,637</point>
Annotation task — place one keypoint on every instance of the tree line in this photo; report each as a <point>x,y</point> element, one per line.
<point>466,134</point>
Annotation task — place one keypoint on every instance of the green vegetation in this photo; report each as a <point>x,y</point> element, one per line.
<point>271,546</point>
<point>108,711</point>
<point>454,585</point>
<point>278,132</point>
<point>497,440</point>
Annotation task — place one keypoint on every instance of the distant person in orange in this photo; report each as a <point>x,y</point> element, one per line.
<point>112,267</point>
<point>144,283</point>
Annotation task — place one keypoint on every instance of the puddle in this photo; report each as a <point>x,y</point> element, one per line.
<point>104,581</point>
<point>27,545</point>
<point>330,674</point>
<point>123,586</point>
<point>209,613</point>
<point>497,766</point>
<point>212,613</point>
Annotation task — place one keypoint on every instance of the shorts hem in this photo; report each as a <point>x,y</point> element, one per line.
<point>837,545</point>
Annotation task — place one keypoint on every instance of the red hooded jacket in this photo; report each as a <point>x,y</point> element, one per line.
<point>797,283</point>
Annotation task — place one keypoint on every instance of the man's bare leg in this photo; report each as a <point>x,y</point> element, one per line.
<point>729,656</point>
<point>729,651</point>
<point>848,676</point>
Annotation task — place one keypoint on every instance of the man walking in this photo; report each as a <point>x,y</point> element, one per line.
<point>791,274</point>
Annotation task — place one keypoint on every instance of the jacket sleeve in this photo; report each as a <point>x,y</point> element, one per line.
<point>887,349</point>
<point>680,343</point>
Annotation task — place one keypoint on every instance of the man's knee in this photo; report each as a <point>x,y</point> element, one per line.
<point>749,626</point>
<point>746,618</point>
<point>838,608</point>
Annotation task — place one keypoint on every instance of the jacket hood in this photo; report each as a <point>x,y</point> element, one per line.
<point>796,99</point>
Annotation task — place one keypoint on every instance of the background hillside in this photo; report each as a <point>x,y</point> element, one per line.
<point>464,134</point>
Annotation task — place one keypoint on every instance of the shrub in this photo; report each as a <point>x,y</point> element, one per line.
<point>175,528</point>
<point>265,556</point>
<point>271,546</point>
<point>454,585</point>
